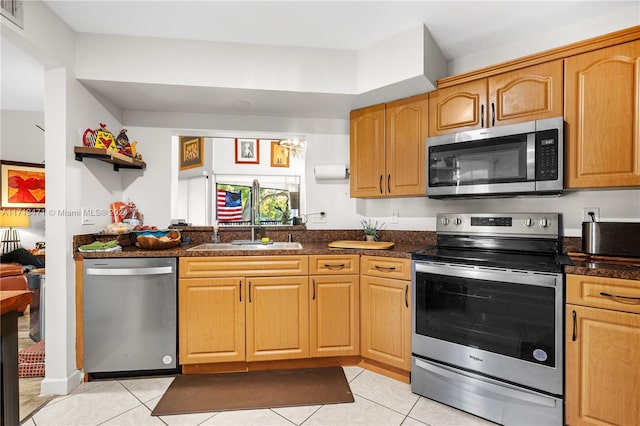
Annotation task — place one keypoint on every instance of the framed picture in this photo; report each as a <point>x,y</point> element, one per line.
<point>22,185</point>
<point>279,155</point>
<point>191,152</point>
<point>247,151</point>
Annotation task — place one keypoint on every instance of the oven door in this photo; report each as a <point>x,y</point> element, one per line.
<point>506,324</point>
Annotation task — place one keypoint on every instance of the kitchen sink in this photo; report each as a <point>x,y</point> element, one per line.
<point>247,245</point>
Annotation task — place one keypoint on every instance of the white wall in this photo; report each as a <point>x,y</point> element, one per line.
<point>216,64</point>
<point>619,19</point>
<point>21,140</point>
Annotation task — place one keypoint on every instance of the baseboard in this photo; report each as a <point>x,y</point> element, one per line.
<point>63,386</point>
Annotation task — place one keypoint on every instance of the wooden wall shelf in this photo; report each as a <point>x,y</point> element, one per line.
<point>118,160</point>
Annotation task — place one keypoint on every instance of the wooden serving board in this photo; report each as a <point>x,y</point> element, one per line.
<point>369,245</point>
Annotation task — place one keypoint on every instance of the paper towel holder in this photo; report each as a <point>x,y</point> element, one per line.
<point>331,171</point>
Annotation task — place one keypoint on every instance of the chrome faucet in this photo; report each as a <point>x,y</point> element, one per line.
<point>255,208</point>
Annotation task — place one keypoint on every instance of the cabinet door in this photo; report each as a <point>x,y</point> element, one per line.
<point>334,315</point>
<point>527,94</point>
<point>277,318</point>
<point>602,359</point>
<point>602,113</point>
<point>385,320</point>
<point>367,152</point>
<point>458,108</point>
<point>406,132</point>
<point>211,320</point>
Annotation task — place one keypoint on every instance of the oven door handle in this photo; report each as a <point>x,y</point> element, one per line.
<point>489,385</point>
<point>490,274</point>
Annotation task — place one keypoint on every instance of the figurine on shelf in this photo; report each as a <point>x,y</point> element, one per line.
<point>104,139</point>
<point>122,141</point>
<point>89,138</point>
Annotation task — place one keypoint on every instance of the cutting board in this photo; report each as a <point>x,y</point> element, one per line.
<point>369,245</point>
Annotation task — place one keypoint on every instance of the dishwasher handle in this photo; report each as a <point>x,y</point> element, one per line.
<point>157,270</point>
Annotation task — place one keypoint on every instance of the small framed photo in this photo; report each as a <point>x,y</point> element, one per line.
<point>247,151</point>
<point>191,152</point>
<point>22,185</point>
<point>279,155</point>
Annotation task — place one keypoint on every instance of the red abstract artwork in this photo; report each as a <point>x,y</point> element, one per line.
<point>23,185</point>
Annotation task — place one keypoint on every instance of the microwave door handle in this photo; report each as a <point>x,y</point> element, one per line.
<point>531,157</point>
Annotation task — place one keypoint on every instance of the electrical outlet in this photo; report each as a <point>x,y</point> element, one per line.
<point>586,217</point>
<point>86,216</point>
<point>320,218</point>
<point>395,216</point>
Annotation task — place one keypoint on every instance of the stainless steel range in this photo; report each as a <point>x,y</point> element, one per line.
<point>488,317</point>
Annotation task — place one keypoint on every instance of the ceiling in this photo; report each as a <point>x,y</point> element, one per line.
<point>460,28</point>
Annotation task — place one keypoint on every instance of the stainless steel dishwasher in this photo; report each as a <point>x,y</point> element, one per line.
<point>130,315</point>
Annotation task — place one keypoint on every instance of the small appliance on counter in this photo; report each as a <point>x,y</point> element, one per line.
<point>611,238</point>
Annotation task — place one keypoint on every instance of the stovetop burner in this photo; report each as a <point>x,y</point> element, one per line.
<point>539,262</point>
<point>528,242</point>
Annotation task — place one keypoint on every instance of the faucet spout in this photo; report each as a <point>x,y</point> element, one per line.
<point>255,202</point>
<point>255,208</point>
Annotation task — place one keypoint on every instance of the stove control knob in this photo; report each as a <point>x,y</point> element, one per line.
<point>457,221</point>
<point>444,221</point>
<point>544,222</point>
<point>528,222</point>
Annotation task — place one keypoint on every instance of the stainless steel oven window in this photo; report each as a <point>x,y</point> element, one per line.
<point>516,320</point>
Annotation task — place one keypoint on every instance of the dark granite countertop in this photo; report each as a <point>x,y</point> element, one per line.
<point>313,242</point>
<point>402,250</point>
<point>316,242</point>
<point>601,266</point>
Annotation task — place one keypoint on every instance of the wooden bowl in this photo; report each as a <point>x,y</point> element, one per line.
<point>150,242</point>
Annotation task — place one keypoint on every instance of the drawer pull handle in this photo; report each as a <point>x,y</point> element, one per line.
<point>385,268</point>
<point>621,299</point>
<point>338,266</point>
<point>575,327</point>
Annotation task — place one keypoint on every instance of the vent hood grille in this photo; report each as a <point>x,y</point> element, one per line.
<point>12,10</point>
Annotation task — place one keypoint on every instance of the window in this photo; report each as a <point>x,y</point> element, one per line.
<point>278,201</point>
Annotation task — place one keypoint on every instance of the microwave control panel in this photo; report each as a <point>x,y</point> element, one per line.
<point>547,155</point>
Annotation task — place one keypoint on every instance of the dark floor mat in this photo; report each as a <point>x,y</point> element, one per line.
<point>197,393</point>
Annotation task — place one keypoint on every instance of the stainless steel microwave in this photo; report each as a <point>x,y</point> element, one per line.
<point>517,159</point>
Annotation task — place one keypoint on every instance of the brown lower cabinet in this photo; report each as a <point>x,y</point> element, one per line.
<point>277,318</point>
<point>274,311</point>
<point>212,320</point>
<point>602,351</point>
<point>385,311</point>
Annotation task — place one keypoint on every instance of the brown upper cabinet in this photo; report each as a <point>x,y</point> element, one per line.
<point>518,96</point>
<point>602,117</point>
<point>387,148</point>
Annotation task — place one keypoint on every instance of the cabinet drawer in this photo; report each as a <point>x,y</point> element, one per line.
<point>243,266</point>
<point>333,264</point>
<point>388,267</point>
<point>602,292</point>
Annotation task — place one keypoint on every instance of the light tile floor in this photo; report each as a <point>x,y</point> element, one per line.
<point>378,401</point>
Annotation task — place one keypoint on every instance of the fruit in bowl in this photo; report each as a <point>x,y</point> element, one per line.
<point>153,242</point>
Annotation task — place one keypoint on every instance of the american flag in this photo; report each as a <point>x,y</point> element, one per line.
<point>229,206</point>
